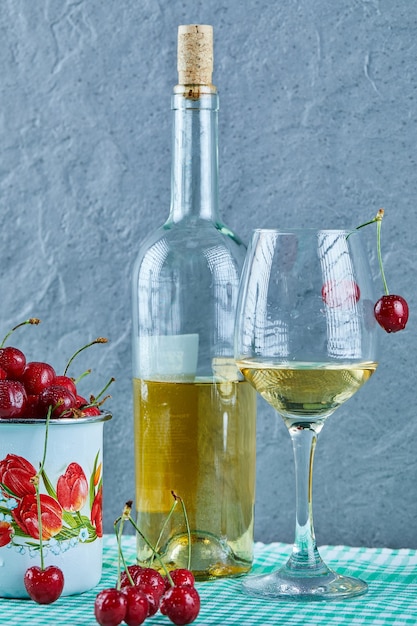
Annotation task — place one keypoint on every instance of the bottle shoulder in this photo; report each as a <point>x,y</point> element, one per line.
<point>189,240</point>
<point>228,232</point>
<point>198,227</point>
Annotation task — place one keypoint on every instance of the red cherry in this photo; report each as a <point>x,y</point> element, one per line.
<point>44,586</point>
<point>152,595</point>
<point>137,606</point>
<point>110,607</point>
<point>66,381</point>
<point>12,398</point>
<point>181,604</point>
<point>3,374</point>
<point>391,312</point>
<point>149,576</point>
<point>148,582</point>
<point>37,376</point>
<point>82,404</point>
<point>13,361</point>
<point>343,293</point>
<point>180,577</point>
<point>58,397</point>
<point>133,571</point>
<point>90,410</point>
<point>81,401</point>
<point>33,407</point>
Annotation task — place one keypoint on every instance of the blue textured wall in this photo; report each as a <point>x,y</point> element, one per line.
<point>318,127</point>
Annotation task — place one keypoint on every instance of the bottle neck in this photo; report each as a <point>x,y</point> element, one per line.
<point>194,175</point>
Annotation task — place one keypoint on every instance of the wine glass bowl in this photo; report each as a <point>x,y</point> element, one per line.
<point>306,340</point>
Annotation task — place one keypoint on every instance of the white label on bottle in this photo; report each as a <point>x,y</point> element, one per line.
<point>168,357</point>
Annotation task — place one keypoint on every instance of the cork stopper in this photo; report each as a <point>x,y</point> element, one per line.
<point>195,54</point>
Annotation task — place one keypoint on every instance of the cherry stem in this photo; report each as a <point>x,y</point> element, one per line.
<point>98,340</point>
<point>45,445</point>
<point>372,221</point>
<point>140,533</point>
<point>378,247</point>
<point>31,320</point>
<point>39,513</point>
<point>36,482</point>
<point>103,391</point>
<point>161,534</point>
<point>119,532</point>
<point>378,219</point>
<point>83,375</point>
<point>188,527</point>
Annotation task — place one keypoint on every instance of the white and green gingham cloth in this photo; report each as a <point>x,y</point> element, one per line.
<point>391,598</point>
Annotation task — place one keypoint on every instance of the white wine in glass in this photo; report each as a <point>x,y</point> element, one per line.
<point>306,340</point>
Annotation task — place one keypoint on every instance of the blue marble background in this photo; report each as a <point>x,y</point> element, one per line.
<point>318,126</point>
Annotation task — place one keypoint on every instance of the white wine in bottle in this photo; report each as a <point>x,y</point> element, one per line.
<point>194,415</point>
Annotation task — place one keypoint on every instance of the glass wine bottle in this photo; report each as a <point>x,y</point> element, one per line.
<point>194,415</point>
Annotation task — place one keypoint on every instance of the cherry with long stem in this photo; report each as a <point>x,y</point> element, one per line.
<point>36,483</point>
<point>44,585</point>
<point>32,320</point>
<point>92,343</point>
<point>391,311</point>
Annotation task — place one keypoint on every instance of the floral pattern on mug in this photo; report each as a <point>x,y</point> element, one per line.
<point>6,533</point>
<point>97,513</point>
<point>26,516</point>
<point>72,488</point>
<point>71,509</point>
<point>16,476</point>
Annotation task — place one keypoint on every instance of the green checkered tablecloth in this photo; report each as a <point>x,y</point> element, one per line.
<point>391,599</point>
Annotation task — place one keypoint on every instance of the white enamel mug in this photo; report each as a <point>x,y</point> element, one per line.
<point>70,495</point>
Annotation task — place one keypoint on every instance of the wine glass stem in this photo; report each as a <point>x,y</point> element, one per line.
<point>305,555</point>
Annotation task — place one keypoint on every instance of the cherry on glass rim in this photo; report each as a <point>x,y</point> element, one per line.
<point>391,313</point>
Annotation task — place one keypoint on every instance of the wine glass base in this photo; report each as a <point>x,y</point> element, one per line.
<point>283,585</point>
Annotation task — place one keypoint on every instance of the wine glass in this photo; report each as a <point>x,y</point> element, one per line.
<point>306,340</point>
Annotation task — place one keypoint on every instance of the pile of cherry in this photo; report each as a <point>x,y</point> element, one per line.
<point>174,595</point>
<point>28,389</point>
